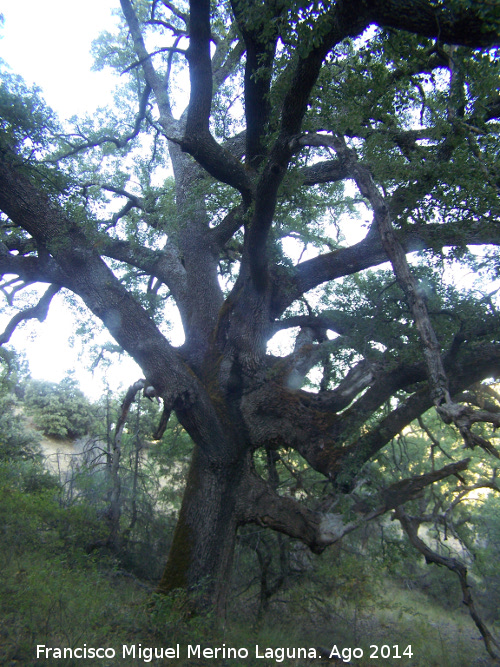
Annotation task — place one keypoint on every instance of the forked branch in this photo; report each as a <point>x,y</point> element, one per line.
<point>450,412</point>
<point>38,312</point>
<point>119,142</point>
<point>319,530</point>
<point>410,525</point>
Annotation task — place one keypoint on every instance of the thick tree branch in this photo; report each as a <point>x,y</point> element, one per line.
<point>397,256</point>
<point>328,171</point>
<point>87,275</point>
<point>326,321</point>
<point>228,227</point>
<point>449,411</point>
<point>369,253</point>
<point>345,19</point>
<point>260,51</point>
<point>286,515</point>
<point>197,139</point>
<point>465,25</point>
<point>38,312</point>
<point>200,68</point>
<point>305,356</point>
<point>30,269</point>
<point>153,80</point>
<point>475,366</point>
<point>337,445</point>
<point>218,162</point>
<point>236,145</point>
<point>226,57</point>
<point>165,264</point>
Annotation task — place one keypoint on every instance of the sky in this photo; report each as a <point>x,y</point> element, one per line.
<point>48,43</point>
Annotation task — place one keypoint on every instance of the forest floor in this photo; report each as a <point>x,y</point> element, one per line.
<point>55,595</point>
<point>56,601</point>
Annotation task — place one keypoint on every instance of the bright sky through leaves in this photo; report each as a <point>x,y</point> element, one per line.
<point>48,43</point>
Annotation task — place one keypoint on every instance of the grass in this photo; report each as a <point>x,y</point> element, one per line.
<point>51,601</point>
<point>53,593</point>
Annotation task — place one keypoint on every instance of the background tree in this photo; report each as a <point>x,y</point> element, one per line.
<point>17,442</point>
<point>300,118</point>
<point>61,410</point>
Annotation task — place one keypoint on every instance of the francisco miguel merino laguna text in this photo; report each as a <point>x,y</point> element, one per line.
<point>148,653</point>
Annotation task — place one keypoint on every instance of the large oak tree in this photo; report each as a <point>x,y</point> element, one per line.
<point>306,125</point>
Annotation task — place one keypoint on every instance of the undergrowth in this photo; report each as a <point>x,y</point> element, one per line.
<point>54,593</point>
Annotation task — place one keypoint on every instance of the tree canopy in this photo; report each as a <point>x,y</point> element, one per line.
<point>314,143</point>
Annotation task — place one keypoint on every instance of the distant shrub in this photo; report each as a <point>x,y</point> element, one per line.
<point>16,440</point>
<point>59,410</point>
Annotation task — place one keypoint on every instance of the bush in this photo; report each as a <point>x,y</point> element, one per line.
<point>60,410</point>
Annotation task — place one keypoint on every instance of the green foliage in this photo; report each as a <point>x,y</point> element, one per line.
<point>393,97</point>
<point>26,124</point>
<point>487,10</point>
<point>485,543</point>
<point>53,587</point>
<point>150,478</point>
<point>51,591</point>
<point>17,441</point>
<point>59,410</point>
<point>372,316</point>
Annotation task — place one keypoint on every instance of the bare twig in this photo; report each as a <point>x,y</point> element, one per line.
<point>410,526</point>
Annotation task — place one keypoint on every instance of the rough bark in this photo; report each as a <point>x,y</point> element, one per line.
<point>201,554</point>
<point>227,392</point>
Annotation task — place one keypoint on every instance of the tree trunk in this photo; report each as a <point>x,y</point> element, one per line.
<point>201,554</point>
